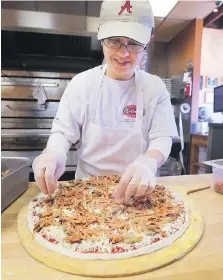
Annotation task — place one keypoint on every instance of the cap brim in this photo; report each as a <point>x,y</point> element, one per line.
<point>133,30</point>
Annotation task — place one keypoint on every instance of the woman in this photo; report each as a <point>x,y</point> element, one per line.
<point>122,116</point>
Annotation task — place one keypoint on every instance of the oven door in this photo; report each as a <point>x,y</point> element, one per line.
<point>71,164</point>
<point>30,144</point>
<point>26,123</point>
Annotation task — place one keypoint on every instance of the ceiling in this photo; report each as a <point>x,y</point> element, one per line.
<point>215,19</point>
<point>179,17</point>
<point>82,18</point>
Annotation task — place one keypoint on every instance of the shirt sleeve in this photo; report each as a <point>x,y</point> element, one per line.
<point>161,144</point>
<point>69,118</point>
<point>163,122</point>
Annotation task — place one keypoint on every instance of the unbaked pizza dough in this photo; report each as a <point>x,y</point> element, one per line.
<point>158,247</point>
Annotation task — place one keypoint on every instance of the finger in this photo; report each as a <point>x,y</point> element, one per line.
<point>39,175</point>
<point>59,172</point>
<point>150,190</point>
<point>152,182</point>
<point>141,190</point>
<point>56,177</point>
<point>151,186</point>
<point>50,178</point>
<point>119,192</point>
<point>132,187</point>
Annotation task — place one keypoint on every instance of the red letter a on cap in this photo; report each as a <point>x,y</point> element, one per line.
<point>126,6</point>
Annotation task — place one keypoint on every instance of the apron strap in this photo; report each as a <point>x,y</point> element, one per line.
<point>95,87</point>
<point>139,96</point>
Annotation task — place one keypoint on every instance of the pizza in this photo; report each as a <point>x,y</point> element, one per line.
<point>81,220</point>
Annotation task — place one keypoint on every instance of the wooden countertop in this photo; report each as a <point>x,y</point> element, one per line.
<point>205,262</point>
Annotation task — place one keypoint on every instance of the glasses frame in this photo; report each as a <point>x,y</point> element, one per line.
<point>125,45</point>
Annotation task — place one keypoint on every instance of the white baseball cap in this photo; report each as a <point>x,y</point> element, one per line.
<point>126,18</point>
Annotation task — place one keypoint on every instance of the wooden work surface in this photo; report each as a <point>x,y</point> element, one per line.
<point>204,262</point>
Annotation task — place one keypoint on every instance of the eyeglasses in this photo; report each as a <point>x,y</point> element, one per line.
<point>115,45</point>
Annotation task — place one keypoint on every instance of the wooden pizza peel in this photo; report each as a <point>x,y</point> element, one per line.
<point>114,268</point>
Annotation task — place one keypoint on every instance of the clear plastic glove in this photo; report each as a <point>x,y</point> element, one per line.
<point>138,179</point>
<point>48,168</point>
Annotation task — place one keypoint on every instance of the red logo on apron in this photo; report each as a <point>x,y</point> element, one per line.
<point>130,111</point>
<point>126,6</point>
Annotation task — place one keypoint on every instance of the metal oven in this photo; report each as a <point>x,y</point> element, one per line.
<point>29,103</point>
<point>39,58</point>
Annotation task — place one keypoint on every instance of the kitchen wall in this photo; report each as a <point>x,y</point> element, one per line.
<point>185,47</point>
<point>211,66</point>
<point>157,59</point>
<point>211,53</point>
<point>168,59</point>
<point>180,50</point>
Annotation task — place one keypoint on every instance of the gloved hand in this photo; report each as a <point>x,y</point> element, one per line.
<point>48,168</point>
<point>137,180</point>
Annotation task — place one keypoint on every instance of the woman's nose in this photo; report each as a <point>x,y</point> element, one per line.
<point>123,50</point>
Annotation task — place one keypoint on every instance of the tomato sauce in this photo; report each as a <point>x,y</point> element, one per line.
<point>117,250</point>
<point>52,240</point>
<point>114,251</point>
<point>156,240</point>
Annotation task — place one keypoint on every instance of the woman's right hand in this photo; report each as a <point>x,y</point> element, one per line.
<point>48,168</point>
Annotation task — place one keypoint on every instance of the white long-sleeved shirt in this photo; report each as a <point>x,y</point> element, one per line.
<point>116,107</point>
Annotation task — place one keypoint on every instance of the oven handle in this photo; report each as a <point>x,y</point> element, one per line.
<point>25,135</point>
<point>28,139</point>
<point>9,84</point>
<point>27,107</point>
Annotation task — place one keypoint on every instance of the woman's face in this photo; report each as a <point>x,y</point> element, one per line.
<point>121,63</point>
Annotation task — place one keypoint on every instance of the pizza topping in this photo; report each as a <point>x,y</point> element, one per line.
<point>43,223</point>
<point>52,240</point>
<point>218,186</point>
<point>116,238</point>
<point>156,240</point>
<point>68,212</point>
<point>82,214</point>
<point>131,238</point>
<point>117,250</point>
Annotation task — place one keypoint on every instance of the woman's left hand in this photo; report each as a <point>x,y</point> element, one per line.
<point>138,179</point>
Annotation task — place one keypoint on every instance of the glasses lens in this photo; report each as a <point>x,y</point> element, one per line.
<point>112,44</point>
<point>135,48</point>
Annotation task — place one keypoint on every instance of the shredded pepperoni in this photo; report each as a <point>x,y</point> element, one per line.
<point>86,210</point>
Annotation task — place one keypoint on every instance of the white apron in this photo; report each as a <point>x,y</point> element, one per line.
<point>104,150</point>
